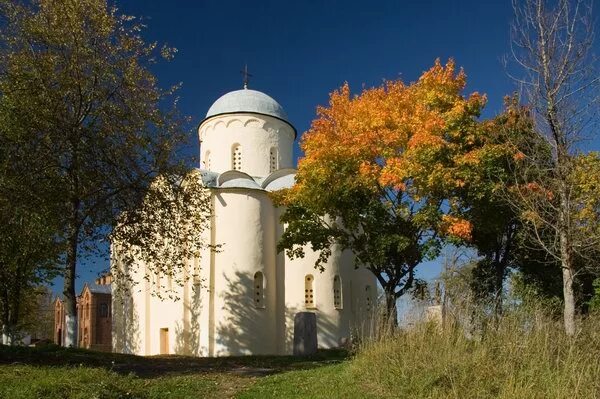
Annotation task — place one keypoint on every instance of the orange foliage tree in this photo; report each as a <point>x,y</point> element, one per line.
<point>383,172</point>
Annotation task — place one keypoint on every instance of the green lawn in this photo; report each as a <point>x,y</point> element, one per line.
<point>55,372</point>
<point>327,382</point>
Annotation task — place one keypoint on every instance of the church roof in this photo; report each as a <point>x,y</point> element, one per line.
<point>283,178</point>
<point>100,289</point>
<point>97,289</point>
<point>247,100</point>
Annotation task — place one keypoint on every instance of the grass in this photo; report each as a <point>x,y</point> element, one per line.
<point>54,372</point>
<point>527,356</point>
<point>24,381</point>
<point>332,381</point>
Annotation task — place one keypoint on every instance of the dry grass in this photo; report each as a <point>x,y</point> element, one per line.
<point>527,356</point>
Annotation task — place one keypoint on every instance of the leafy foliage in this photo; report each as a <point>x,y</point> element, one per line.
<point>166,234</point>
<point>75,77</point>
<point>382,171</point>
<point>29,245</point>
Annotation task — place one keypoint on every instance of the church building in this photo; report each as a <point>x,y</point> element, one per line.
<point>247,294</point>
<point>94,323</point>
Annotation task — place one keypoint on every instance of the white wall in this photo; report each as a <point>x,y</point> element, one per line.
<point>334,325</point>
<point>221,319</point>
<point>256,134</point>
<point>139,313</point>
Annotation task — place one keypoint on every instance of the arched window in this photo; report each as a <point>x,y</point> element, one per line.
<point>259,290</point>
<point>103,310</point>
<point>337,292</point>
<point>273,160</point>
<point>207,160</point>
<point>196,274</point>
<point>309,293</point>
<point>158,281</point>
<point>86,306</point>
<point>368,298</point>
<point>236,157</point>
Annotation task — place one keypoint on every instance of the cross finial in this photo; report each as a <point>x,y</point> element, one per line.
<point>246,75</point>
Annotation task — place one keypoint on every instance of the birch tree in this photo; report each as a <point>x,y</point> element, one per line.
<point>552,54</point>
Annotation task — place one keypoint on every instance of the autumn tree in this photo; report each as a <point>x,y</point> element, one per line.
<point>541,273</point>
<point>376,175</point>
<point>75,76</point>
<point>495,224</point>
<point>552,48</point>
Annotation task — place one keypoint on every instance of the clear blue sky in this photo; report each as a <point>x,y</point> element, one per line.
<point>300,51</point>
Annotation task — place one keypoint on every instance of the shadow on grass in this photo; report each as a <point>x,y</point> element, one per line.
<point>172,365</point>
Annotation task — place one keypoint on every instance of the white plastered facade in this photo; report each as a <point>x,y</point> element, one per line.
<point>247,294</point>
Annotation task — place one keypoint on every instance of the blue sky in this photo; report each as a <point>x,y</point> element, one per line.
<point>300,51</point>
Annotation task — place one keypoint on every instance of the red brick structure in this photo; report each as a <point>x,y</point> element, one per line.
<point>94,316</point>
<point>59,322</point>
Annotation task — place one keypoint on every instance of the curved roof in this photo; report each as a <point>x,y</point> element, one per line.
<point>283,178</point>
<point>236,179</point>
<point>247,100</point>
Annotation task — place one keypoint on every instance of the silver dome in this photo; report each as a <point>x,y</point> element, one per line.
<point>246,100</point>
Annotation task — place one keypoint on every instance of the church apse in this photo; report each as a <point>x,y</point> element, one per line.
<point>245,286</point>
<point>242,331</point>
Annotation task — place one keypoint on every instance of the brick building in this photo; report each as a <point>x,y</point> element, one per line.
<point>94,316</point>
<point>59,321</point>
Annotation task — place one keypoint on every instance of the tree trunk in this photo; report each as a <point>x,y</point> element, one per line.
<point>566,261</point>
<point>501,263</point>
<point>568,282</point>
<point>498,294</point>
<point>391,310</point>
<point>69,288</point>
<point>13,318</point>
<point>8,327</point>
<point>5,316</point>
<point>8,335</point>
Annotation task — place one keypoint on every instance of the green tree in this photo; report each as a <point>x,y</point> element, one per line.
<point>497,227</point>
<point>75,76</point>
<point>29,244</point>
<point>28,259</point>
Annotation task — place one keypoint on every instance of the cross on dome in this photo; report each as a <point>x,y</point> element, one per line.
<point>246,75</point>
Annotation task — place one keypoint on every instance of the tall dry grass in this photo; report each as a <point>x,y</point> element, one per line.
<point>524,355</point>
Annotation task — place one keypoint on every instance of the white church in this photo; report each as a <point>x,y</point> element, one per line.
<point>249,293</point>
